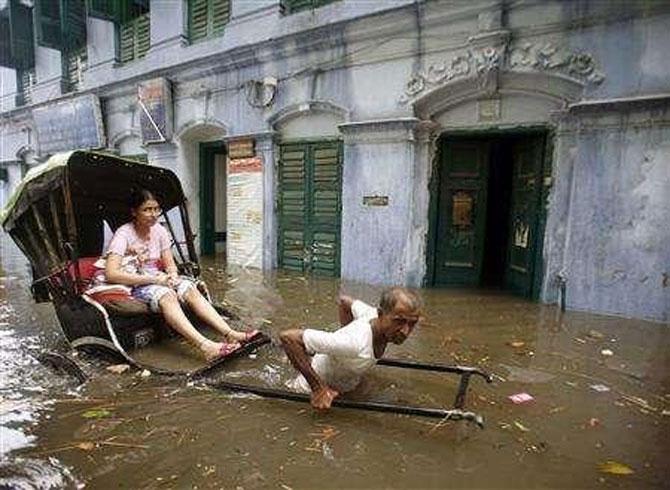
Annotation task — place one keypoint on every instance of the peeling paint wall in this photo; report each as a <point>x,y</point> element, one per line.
<point>612,227</point>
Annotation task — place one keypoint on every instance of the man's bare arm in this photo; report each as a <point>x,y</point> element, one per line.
<point>345,314</point>
<point>322,394</point>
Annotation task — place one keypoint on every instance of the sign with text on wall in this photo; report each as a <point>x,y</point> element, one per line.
<point>154,98</point>
<point>69,125</point>
<point>245,212</point>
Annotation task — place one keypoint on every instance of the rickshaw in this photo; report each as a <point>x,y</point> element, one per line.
<point>59,216</point>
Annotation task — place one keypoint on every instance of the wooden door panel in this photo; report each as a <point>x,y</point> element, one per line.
<point>527,159</point>
<point>461,213</point>
<point>292,208</point>
<point>310,180</point>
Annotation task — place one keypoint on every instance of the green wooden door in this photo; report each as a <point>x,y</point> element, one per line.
<point>208,152</point>
<point>461,213</point>
<point>309,207</point>
<point>525,214</point>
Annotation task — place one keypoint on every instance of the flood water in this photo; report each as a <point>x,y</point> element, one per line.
<point>591,411</point>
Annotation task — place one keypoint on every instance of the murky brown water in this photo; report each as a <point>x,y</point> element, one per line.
<point>126,431</point>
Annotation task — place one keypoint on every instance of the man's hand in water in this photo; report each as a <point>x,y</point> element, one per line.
<point>323,398</point>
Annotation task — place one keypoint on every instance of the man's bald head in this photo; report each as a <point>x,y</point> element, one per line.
<point>390,298</point>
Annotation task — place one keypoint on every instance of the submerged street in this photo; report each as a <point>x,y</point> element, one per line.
<point>599,414</point>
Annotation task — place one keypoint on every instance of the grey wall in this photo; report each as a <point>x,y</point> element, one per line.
<point>612,223</point>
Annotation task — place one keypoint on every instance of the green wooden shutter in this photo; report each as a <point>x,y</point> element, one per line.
<point>310,181</point>
<point>5,40</point>
<point>197,19</point>
<point>74,32</point>
<point>48,22</point>
<point>22,47</point>
<point>292,206</point>
<point>207,18</point>
<point>134,38</point>
<point>143,34</point>
<point>25,80</point>
<point>105,9</point>
<point>325,207</point>
<point>75,64</point>
<point>220,15</point>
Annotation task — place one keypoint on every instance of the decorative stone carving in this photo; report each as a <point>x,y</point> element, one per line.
<point>547,56</point>
<point>484,64</point>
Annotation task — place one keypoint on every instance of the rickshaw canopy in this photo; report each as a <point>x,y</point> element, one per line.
<point>59,208</point>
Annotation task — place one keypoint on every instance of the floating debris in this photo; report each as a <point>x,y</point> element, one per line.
<point>600,388</point>
<point>96,414</point>
<point>519,398</point>
<point>516,343</point>
<point>118,368</point>
<point>607,352</point>
<point>615,468</point>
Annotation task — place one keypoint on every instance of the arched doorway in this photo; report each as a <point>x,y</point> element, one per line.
<point>492,168</point>
<point>204,177</point>
<point>309,178</point>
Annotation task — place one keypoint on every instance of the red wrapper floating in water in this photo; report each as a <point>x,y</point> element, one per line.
<point>520,398</point>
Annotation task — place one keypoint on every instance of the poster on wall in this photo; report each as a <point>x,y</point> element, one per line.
<point>245,212</point>
<point>70,124</point>
<point>154,98</point>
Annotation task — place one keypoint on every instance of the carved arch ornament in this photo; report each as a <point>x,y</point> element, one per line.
<point>484,63</point>
<point>125,134</point>
<point>193,125</point>
<point>305,108</point>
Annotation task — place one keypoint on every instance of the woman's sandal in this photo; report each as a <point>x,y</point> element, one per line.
<point>251,336</point>
<point>225,350</point>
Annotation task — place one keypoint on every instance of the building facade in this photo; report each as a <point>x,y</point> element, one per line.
<point>517,145</point>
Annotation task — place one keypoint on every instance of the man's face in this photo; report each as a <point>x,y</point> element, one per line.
<point>400,322</point>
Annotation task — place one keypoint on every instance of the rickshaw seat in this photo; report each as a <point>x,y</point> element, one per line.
<point>117,301</point>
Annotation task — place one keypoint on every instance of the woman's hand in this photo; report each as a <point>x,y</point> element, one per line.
<point>173,278</point>
<point>162,279</point>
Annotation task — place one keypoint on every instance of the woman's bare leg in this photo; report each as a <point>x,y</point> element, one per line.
<point>207,313</point>
<point>175,317</point>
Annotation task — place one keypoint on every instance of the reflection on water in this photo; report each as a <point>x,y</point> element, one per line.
<point>27,391</point>
<point>153,432</point>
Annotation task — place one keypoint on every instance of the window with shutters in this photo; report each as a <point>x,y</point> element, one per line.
<point>134,38</point>
<point>25,81</point>
<point>134,29</point>
<point>17,48</point>
<point>48,20</point>
<point>207,18</point>
<point>132,21</point>
<point>104,9</point>
<point>288,7</point>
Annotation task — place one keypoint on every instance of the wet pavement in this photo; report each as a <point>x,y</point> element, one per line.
<point>600,414</point>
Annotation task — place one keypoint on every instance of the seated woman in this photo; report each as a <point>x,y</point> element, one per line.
<point>163,289</point>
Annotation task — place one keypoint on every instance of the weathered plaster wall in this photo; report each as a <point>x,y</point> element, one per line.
<point>608,231</point>
<point>378,161</point>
